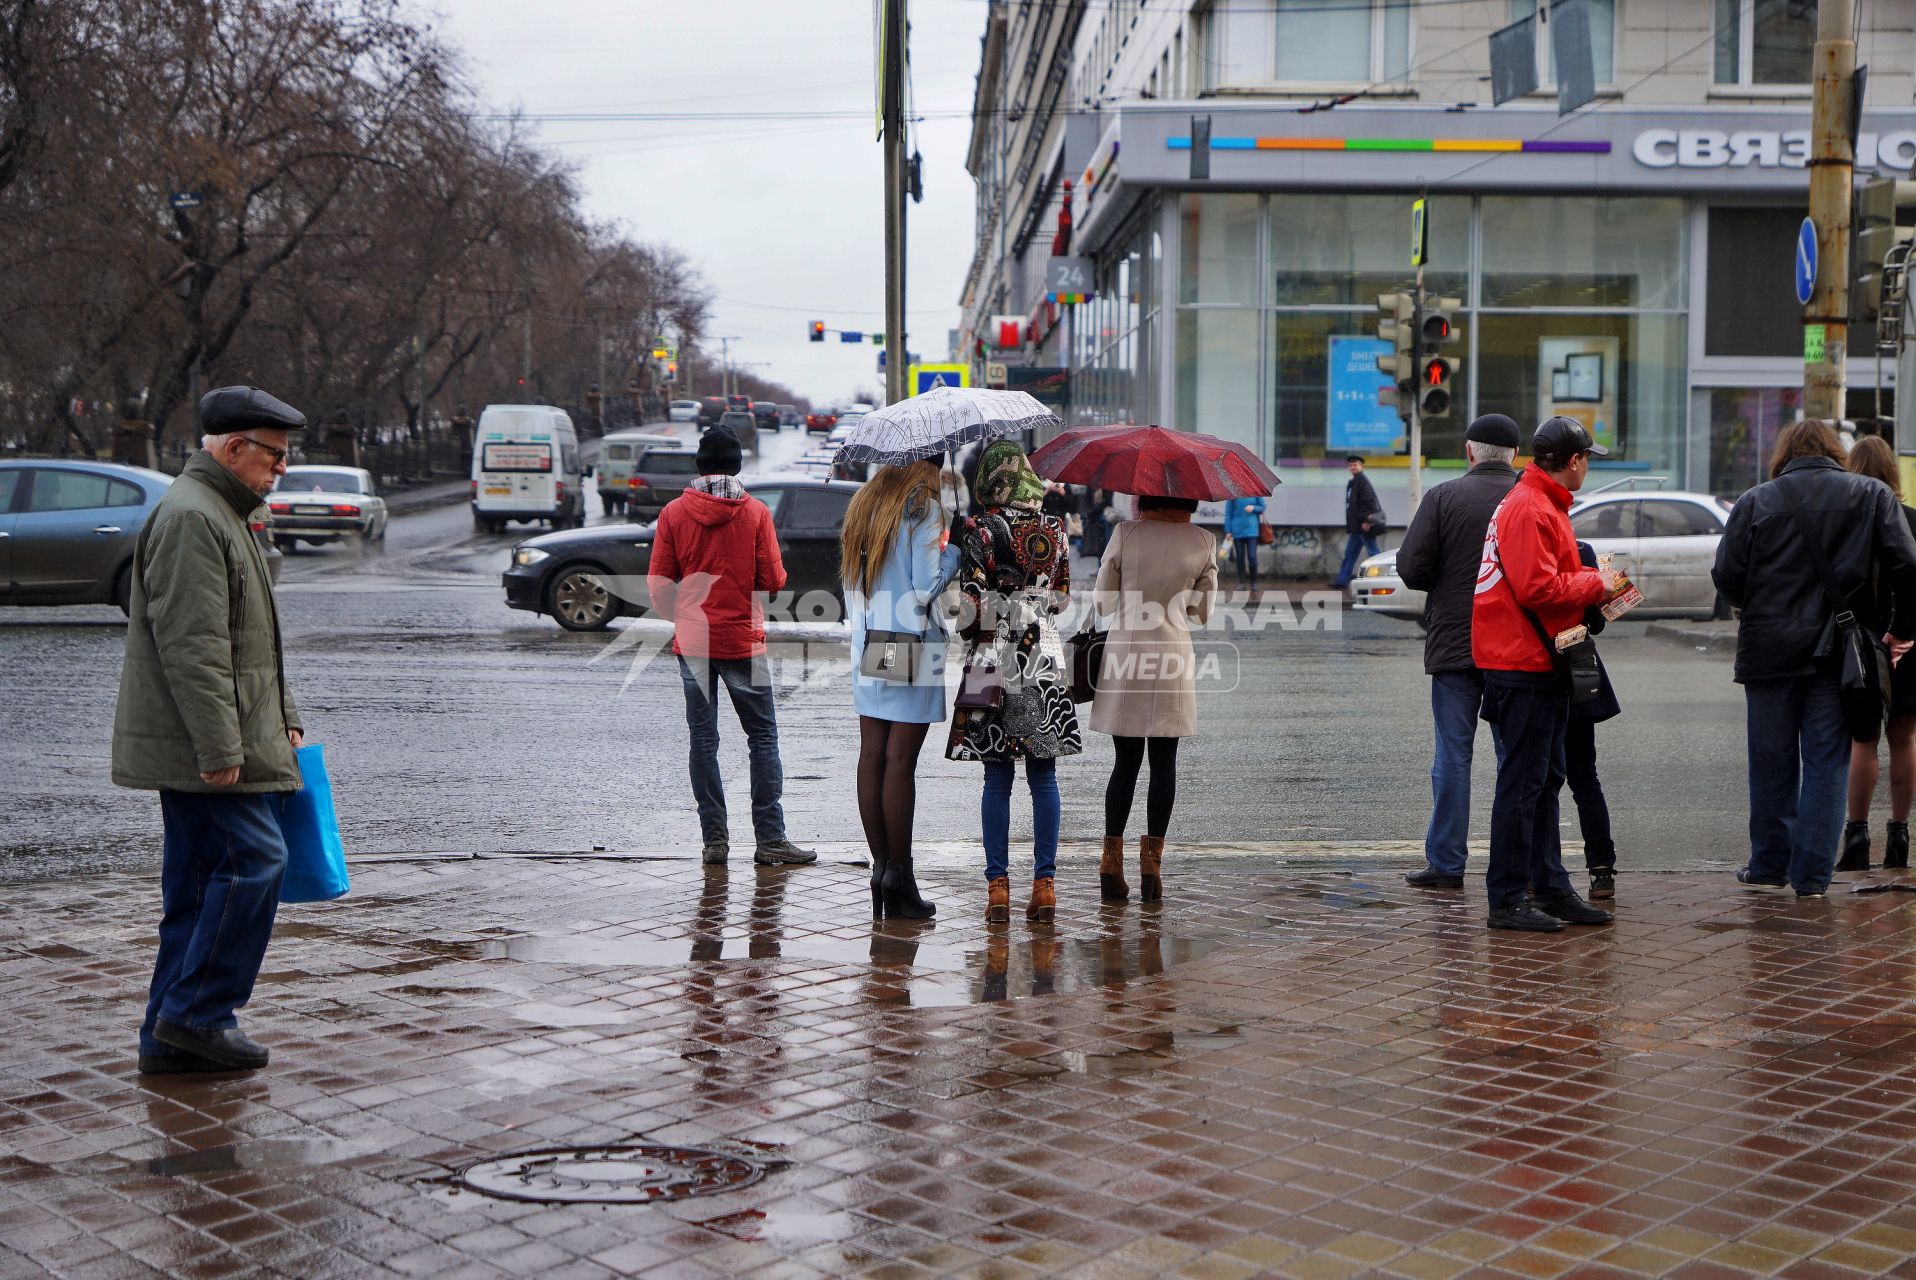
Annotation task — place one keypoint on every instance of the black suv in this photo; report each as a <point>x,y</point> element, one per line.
<point>767,414</point>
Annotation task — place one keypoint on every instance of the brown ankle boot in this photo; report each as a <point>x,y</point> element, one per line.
<point>1111,885</point>
<point>1150,861</point>
<point>998,905</point>
<point>1044,901</point>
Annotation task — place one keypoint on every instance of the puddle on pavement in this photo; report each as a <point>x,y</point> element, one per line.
<point>784,1228</point>
<point>261,1153</point>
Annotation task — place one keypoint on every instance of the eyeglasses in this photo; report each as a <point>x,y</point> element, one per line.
<point>279,455</point>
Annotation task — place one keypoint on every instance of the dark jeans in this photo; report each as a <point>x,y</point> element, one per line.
<point>1041,779</point>
<point>1593,811</point>
<point>1526,848</point>
<point>1456,699</point>
<point>1369,543</point>
<point>749,683</point>
<point>220,868</point>
<point>1244,558</point>
<point>1799,772</point>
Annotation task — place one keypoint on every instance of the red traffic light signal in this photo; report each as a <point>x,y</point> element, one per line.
<point>818,331</point>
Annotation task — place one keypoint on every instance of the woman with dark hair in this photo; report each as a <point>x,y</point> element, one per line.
<point>1871,456</point>
<point>1158,580</point>
<point>1797,551</point>
<point>1014,568</point>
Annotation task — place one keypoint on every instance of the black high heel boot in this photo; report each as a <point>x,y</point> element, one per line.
<point>1855,847</point>
<point>1896,845</point>
<point>878,892</point>
<point>900,892</point>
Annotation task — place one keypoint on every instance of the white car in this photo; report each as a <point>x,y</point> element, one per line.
<point>1666,542</point>
<point>326,504</point>
<point>683,411</point>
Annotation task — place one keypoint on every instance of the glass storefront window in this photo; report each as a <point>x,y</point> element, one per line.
<point>1324,390</point>
<point>1218,359</point>
<point>1622,376</point>
<point>1219,249</point>
<point>1329,250</point>
<point>1613,251</point>
<point>1744,424</point>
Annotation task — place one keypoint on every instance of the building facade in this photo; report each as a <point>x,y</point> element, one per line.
<point>1629,263</point>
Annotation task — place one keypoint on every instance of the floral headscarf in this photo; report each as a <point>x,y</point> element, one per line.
<point>1005,478</point>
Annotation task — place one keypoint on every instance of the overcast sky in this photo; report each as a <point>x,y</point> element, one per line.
<point>783,216</point>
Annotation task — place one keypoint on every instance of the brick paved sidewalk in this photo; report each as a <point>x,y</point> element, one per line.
<point>1305,1073</point>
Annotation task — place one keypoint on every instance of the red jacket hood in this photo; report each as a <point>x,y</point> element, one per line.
<point>709,509</point>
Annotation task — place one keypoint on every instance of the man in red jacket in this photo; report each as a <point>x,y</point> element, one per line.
<point>714,554</point>
<point>1531,585</point>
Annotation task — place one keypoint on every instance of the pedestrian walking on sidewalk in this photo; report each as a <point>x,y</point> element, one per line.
<point>892,562</point>
<point>714,557</point>
<point>1158,579</point>
<point>1580,760</point>
<point>1014,568</point>
<point>205,718</point>
<point>1439,556</point>
<point>1872,456</point>
<point>1530,588</point>
<point>1243,520</point>
<point>1799,549</point>
<point>1363,519</point>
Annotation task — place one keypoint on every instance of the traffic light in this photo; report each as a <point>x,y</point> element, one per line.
<point>1879,208</point>
<point>1435,371</point>
<point>1394,327</point>
<point>818,331</point>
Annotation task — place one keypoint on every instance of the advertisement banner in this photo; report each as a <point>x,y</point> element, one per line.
<point>1578,378</point>
<point>1358,421</point>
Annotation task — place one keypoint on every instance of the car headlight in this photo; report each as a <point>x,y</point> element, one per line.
<point>524,557</point>
<point>1373,571</point>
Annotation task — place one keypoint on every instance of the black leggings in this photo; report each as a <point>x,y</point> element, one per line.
<point>1161,796</point>
<point>888,785</point>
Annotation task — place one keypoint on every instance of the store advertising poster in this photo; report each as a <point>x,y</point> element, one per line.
<point>1358,420</point>
<point>1579,378</point>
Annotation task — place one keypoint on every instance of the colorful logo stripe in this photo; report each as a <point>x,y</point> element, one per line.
<point>1536,146</point>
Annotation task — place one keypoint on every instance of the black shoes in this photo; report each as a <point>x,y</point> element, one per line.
<point>1603,884</point>
<point>175,1064</point>
<point>1745,876</point>
<point>1431,878</point>
<point>898,894</point>
<point>1571,909</point>
<point>1855,855</point>
<point>228,1047</point>
<point>1523,914</point>
<point>1896,846</point>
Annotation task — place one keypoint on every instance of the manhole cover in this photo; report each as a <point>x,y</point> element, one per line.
<point>611,1175</point>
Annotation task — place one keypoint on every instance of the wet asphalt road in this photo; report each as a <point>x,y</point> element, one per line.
<point>453,722</point>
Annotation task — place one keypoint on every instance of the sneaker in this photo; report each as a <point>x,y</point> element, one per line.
<point>1603,884</point>
<point>1523,914</point>
<point>775,853</point>
<point>1571,909</point>
<point>1431,878</point>
<point>1801,894</point>
<point>715,853</point>
<point>1750,878</point>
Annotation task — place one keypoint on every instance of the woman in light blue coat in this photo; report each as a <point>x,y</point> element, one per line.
<point>1243,520</point>
<point>894,562</point>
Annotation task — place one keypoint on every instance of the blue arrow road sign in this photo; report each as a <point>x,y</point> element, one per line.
<point>1805,261</point>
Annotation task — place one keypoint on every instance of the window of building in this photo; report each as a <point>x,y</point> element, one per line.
<point>1345,250</point>
<point>1220,249</point>
<point>1342,41</point>
<point>1550,251</point>
<point>1603,39</point>
<point>1762,42</point>
<point>1744,424</point>
<point>1748,312</point>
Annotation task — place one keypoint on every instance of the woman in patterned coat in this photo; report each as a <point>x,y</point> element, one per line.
<point>1015,571</point>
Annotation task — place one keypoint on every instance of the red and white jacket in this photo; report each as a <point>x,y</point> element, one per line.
<point>1529,562</point>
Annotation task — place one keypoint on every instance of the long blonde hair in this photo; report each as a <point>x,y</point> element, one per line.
<point>876,511</point>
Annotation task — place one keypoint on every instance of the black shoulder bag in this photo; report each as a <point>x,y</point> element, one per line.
<point>1577,662</point>
<point>1863,683</point>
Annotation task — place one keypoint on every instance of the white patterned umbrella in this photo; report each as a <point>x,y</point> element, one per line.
<point>942,420</point>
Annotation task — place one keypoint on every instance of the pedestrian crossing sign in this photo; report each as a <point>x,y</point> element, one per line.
<point>924,377</point>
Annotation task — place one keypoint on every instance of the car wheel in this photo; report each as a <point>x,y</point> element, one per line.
<point>578,600</point>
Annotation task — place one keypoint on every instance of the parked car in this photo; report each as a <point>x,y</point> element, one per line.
<point>1666,542</point>
<point>618,455</point>
<point>68,529</point>
<point>745,427</point>
<point>767,414</point>
<point>820,420</point>
<point>683,411</point>
<point>789,416</point>
<point>659,475</point>
<point>326,504</point>
<point>584,578</point>
<point>711,409</point>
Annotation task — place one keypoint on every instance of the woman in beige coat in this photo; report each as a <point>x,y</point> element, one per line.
<point>1157,580</point>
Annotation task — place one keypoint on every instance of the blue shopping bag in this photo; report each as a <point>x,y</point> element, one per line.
<point>315,856</point>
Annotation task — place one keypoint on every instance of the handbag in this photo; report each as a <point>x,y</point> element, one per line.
<point>1265,534</point>
<point>1863,685</point>
<point>315,855</point>
<point>892,656</point>
<point>1087,661</point>
<point>1378,522</point>
<point>981,688</point>
<point>1576,662</point>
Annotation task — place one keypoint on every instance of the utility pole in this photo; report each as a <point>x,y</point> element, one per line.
<point>726,378</point>
<point>892,120</point>
<point>525,355</point>
<point>1832,164</point>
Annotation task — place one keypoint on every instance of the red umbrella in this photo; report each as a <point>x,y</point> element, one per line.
<point>1154,461</point>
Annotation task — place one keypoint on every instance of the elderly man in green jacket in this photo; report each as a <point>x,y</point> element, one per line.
<point>206,720</point>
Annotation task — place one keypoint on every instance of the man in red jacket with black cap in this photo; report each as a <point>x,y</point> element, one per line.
<point>1531,585</point>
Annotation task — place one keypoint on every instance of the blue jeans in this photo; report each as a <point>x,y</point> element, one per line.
<point>1799,772</point>
<point>220,868</point>
<point>1041,778</point>
<point>1456,698</point>
<point>1244,558</point>
<point>1526,845</point>
<point>749,683</point>
<point>1369,543</point>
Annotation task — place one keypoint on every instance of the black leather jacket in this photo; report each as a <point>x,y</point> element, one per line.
<point>1440,554</point>
<point>1765,567</point>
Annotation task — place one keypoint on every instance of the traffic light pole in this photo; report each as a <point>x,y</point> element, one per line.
<point>1832,164</point>
<point>1417,417</point>
<point>892,113</point>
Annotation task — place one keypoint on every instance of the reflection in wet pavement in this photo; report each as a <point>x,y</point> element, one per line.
<point>261,1154</point>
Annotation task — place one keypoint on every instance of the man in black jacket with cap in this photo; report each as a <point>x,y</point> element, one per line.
<point>1440,554</point>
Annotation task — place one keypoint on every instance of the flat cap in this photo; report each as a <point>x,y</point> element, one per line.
<point>1495,429</point>
<point>228,409</point>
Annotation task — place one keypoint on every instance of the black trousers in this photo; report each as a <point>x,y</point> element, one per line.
<point>1593,811</point>
<point>1526,849</point>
